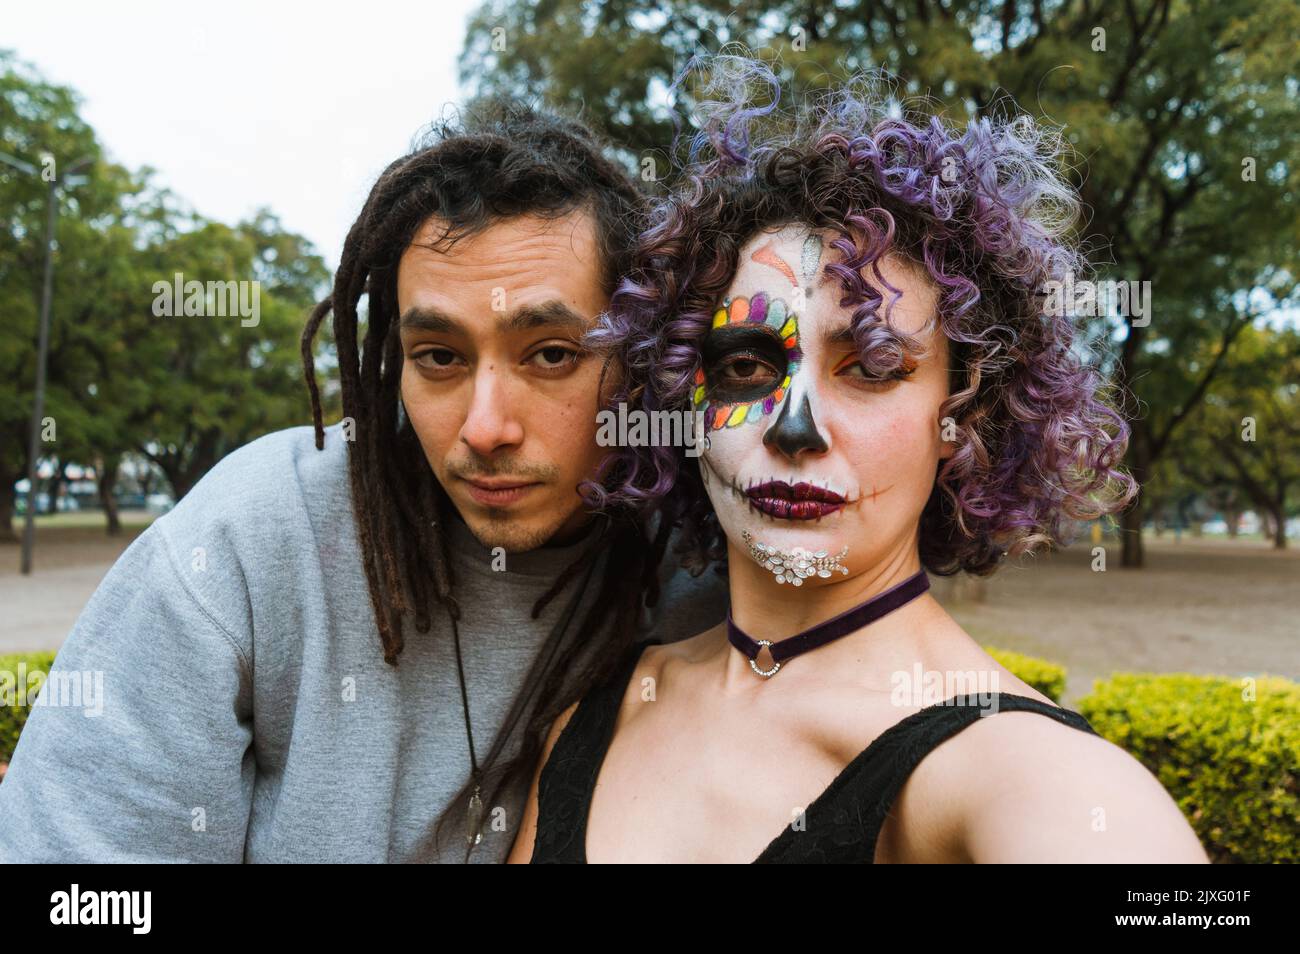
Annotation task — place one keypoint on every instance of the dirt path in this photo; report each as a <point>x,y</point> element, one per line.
<point>1199,606</point>
<point>68,562</point>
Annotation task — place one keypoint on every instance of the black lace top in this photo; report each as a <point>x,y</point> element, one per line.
<point>841,825</point>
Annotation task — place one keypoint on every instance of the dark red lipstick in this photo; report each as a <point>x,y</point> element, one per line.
<point>801,501</point>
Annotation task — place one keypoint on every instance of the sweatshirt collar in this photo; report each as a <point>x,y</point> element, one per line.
<point>467,550</point>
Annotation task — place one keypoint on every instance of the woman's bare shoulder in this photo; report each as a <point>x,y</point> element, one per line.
<point>1018,785</point>
<point>1025,787</point>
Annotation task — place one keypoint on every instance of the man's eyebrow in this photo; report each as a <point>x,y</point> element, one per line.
<point>548,313</point>
<point>524,318</point>
<point>429,319</point>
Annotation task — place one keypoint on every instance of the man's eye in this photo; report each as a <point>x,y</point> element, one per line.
<point>435,358</point>
<point>554,357</point>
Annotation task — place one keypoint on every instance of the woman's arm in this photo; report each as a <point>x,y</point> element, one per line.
<point>522,851</point>
<point>1039,791</point>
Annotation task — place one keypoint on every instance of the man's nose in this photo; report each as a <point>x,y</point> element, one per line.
<point>491,422</point>
<point>795,428</point>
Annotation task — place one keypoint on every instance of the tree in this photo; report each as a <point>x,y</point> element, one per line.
<point>1246,435</point>
<point>210,384</point>
<point>1182,115</point>
<point>38,119</point>
<point>181,388</point>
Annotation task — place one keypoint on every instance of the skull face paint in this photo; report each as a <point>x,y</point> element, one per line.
<point>748,332</point>
<point>808,453</point>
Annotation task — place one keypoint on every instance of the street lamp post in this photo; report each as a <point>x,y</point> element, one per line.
<point>55,180</point>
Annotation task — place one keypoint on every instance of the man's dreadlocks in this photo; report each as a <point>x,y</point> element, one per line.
<point>499,159</point>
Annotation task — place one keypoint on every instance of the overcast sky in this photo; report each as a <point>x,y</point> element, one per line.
<point>294,106</point>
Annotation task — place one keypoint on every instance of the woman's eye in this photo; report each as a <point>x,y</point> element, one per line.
<point>856,369</point>
<point>435,358</point>
<point>742,377</point>
<point>745,371</point>
<point>554,357</point>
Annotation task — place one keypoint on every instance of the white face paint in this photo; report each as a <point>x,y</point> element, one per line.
<point>815,469</point>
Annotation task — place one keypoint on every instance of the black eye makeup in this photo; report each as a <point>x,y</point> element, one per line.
<point>742,363</point>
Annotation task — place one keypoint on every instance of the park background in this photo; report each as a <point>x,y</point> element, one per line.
<point>1183,119</point>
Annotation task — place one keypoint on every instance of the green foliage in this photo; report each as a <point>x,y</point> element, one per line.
<point>1243,443</point>
<point>1048,678</point>
<point>1230,761</point>
<point>18,687</point>
<point>206,385</point>
<point>182,390</point>
<point>1164,103</point>
<point>37,119</point>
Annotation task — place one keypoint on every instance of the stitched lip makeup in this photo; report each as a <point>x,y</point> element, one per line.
<point>801,501</point>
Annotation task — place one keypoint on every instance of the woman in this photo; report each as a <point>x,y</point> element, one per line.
<point>853,307</point>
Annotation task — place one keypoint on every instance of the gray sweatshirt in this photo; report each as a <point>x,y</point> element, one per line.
<point>223,696</point>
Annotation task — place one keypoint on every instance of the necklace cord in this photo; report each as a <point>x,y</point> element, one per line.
<point>553,639</point>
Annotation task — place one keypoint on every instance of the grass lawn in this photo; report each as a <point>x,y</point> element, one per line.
<point>85,518</point>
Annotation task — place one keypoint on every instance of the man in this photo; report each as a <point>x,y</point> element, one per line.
<point>345,644</point>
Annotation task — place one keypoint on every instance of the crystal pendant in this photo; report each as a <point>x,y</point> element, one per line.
<point>474,819</point>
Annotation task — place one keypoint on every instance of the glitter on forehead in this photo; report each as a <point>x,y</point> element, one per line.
<point>810,258</point>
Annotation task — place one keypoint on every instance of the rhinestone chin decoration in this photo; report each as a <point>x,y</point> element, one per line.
<point>794,566</point>
<point>769,673</point>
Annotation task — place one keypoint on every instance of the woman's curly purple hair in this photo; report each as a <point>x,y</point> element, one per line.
<point>982,213</point>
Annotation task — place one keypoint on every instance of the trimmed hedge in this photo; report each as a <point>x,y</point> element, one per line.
<point>1048,678</point>
<point>13,716</point>
<point>1229,761</point>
